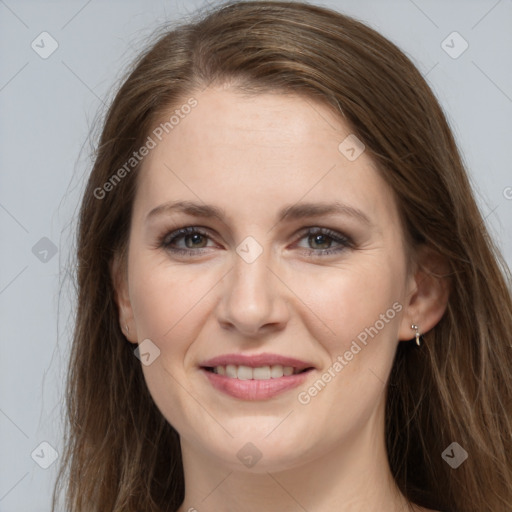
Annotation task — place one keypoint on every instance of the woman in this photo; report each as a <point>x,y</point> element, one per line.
<point>287,297</point>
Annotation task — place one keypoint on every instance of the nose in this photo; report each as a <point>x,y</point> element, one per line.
<point>254,300</point>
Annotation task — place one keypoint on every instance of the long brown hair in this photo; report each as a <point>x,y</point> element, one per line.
<point>121,454</point>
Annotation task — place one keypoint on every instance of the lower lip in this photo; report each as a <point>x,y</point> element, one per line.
<point>255,389</point>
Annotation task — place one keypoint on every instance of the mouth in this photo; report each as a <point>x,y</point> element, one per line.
<point>257,377</point>
<point>266,372</point>
<point>255,367</point>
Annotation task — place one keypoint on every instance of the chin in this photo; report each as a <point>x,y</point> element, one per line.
<point>251,451</point>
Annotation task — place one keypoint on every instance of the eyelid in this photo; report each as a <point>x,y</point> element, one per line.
<point>338,237</point>
<point>317,229</point>
<point>184,231</point>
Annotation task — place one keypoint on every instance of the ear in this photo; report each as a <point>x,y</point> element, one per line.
<point>428,293</point>
<point>119,275</point>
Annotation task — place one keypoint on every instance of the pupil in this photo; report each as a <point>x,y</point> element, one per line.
<point>196,238</point>
<point>321,240</point>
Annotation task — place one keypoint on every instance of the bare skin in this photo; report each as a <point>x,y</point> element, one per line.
<point>320,451</point>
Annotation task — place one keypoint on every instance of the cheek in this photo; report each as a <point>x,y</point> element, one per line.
<point>362,306</point>
<point>347,301</point>
<point>171,304</point>
<point>163,297</point>
<point>168,306</point>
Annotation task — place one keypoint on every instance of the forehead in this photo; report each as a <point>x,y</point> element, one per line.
<point>255,152</point>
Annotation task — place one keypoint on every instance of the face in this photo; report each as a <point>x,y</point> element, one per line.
<point>267,267</point>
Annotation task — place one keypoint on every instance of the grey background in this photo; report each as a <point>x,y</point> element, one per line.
<point>47,107</point>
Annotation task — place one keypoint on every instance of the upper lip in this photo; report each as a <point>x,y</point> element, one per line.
<point>256,360</point>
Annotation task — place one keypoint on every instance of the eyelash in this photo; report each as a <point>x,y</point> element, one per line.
<point>168,239</point>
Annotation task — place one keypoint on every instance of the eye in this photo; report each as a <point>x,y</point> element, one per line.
<point>320,241</point>
<point>186,241</point>
<point>192,241</point>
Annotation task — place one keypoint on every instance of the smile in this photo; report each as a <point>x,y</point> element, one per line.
<point>257,377</point>
<point>242,372</point>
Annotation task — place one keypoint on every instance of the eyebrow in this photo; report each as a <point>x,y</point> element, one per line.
<point>292,212</point>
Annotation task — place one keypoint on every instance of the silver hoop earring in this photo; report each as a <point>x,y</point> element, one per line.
<point>417,334</point>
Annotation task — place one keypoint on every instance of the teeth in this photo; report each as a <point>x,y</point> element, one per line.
<point>231,371</point>
<point>244,373</point>
<point>276,371</point>
<point>260,373</point>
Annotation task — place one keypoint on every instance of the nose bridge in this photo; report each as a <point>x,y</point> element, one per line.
<point>252,298</point>
<point>251,281</point>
